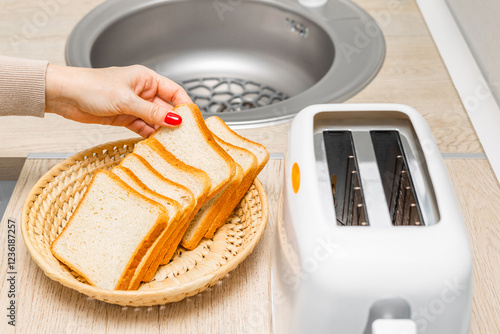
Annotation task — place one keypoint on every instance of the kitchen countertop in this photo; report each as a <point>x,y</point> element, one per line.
<point>241,302</point>
<point>413,74</point>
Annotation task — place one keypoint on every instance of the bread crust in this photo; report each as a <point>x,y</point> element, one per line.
<point>141,249</point>
<point>237,192</point>
<point>174,244</point>
<point>201,175</point>
<point>153,252</point>
<point>225,204</point>
<point>70,221</point>
<point>261,164</point>
<point>206,217</point>
<point>205,132</point>
<point>203,178</point>
<point>148,273</point>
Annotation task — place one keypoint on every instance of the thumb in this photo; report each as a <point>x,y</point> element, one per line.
<point>153,113</point>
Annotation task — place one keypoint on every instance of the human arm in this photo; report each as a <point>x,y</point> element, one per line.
<point>133,96</point>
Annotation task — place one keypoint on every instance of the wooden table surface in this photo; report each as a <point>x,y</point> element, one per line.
<point>241,303</point>
<point>45,306</point>
<point>412,74</point>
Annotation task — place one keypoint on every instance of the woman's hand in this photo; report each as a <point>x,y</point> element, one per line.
<point>133,96</point>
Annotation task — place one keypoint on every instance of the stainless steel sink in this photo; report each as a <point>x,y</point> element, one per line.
<point>6,190</point>
<point>253,62</point>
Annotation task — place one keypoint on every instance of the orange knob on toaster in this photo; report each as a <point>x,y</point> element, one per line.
<point>295,177</point>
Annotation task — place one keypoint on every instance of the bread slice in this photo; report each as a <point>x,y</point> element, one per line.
<point>174,211</point>
<point>192,143</point>
<point>110,231</point>
<point>206,214</point>
<point>248,163</point>
<point>156,182</point>
<point>172,168</point>
<point>221,130</point>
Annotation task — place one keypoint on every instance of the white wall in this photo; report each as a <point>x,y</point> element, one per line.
<point>479,21</point>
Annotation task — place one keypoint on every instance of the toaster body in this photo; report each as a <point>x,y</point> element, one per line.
<point>371,239</point>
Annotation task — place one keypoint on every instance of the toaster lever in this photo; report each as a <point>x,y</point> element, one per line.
<point>394,326</point>
<point>390,316</point>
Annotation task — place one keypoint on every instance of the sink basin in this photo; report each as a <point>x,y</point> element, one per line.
<point>251,62</point>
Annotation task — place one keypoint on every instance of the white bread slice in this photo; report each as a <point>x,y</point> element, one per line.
<point>209,212</point>
<point>192,143</point>
<point>156,182</point>
<point>173,209</point>
<point>248,162</point>
<point>172,168</point>
<point>110,231</point>
<point>224,132</point>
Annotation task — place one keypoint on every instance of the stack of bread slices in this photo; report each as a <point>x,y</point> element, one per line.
<point>175,188</point>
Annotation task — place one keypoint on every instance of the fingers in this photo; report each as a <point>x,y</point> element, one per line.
<point>153,113</point>
<point>142,128</point>
<point>160,101</point>
<point>130,122</point>
<point>83,117</point>
<point>171,91</point>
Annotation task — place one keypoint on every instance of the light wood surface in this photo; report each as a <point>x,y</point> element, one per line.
<point>413,74</point>
<point>45,306</point>
<point>479,198</point>
<point>241,302</point>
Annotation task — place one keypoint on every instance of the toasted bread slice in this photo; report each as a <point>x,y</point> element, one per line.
<point>192,143</point>
<point>248,162</point>
<point>110,231</point>
<point>172,168</point>
<point>156,182</point>
<point>221,130</point>
<point>173,209</point>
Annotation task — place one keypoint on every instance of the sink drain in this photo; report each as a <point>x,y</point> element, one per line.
<point>217,95</point>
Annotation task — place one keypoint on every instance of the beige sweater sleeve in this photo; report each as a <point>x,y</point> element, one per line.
<point>22,86</point>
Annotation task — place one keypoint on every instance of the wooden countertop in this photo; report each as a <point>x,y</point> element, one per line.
<point>241,302</point>
<point>413,74</point>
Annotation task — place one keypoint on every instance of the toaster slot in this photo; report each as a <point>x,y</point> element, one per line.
<point>399,190</point>
<point>344,176</point>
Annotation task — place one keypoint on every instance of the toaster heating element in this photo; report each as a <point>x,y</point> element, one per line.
<point>346,186</point>
<point>397,181</point>
<point>371,239</point>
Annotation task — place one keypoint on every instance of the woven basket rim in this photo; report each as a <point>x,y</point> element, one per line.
<point>193,285</point>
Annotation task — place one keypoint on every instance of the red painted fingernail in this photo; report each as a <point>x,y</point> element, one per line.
<point>173,119</point>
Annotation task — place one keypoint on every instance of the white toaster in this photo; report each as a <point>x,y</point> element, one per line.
<point>371,240</point>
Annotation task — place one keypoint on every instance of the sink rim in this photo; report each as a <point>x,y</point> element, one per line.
<point>84,35</point>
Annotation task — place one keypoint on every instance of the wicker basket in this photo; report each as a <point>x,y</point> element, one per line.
<point>53,199</point>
